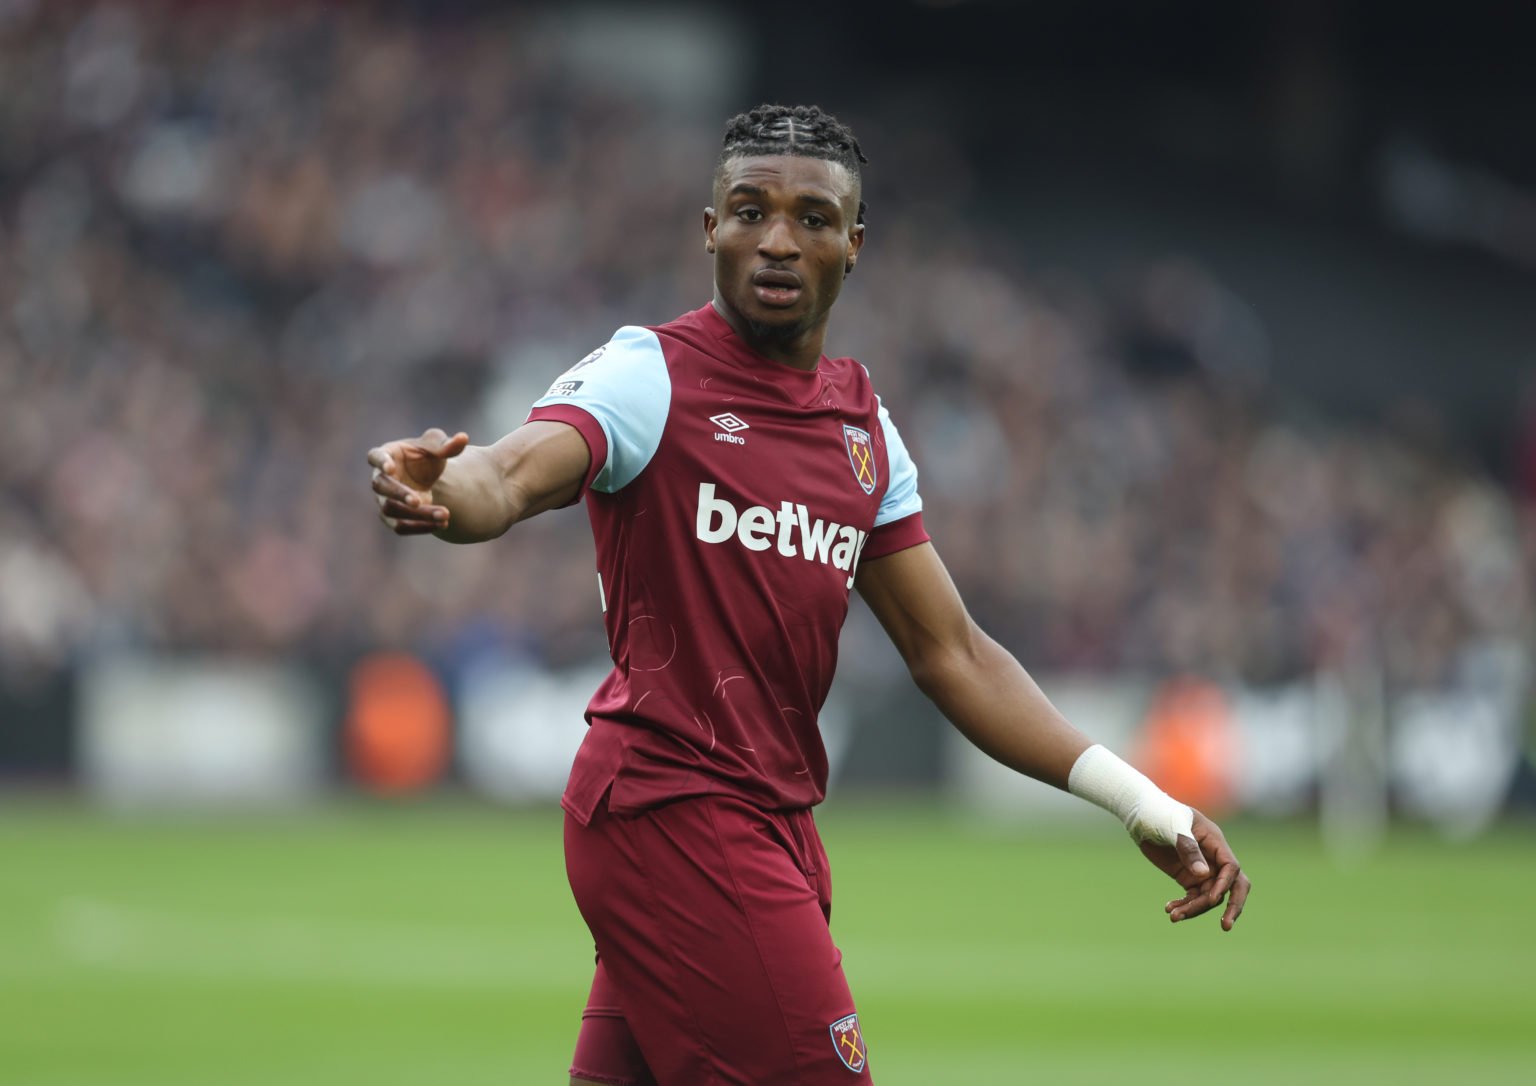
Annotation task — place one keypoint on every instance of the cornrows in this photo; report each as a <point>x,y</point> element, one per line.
<point>793,130</point>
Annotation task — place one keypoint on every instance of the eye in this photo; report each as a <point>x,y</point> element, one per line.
<point>749,214</point>
<point>814,220</point>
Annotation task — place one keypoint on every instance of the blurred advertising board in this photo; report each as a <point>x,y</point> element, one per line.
<point>157,731</point>
<point>519,728</point>
<point>170,731</point>
<point>1337,744</point>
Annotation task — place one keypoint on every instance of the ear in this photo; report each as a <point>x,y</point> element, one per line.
<point>710,222</point>
<point>855,243</point>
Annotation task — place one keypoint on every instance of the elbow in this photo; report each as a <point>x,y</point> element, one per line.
<point>937,676</point>
<point>939,665</point>
<point>928,677</point>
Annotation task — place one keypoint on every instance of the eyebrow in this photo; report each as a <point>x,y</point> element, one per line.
<point>742,188</point>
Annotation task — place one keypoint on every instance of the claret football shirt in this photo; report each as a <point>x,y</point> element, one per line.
<point>732,499</point>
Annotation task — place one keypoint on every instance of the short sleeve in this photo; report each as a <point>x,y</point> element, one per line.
<point>901,497</point>
<point>618,398</point>
<point>899,520</point>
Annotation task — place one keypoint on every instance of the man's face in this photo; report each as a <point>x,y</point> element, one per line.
<point>783,234</point>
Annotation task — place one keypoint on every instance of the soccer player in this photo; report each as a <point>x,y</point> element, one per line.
<point>740,484</point>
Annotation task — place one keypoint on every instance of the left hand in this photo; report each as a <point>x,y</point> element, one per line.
<point>1207,870</point>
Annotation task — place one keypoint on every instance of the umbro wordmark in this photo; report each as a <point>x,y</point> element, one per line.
<point>729,424</point>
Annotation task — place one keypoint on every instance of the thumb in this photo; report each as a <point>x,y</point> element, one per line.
<point>1192,857</point>
<point>434,442</point>
<point>424,459</point>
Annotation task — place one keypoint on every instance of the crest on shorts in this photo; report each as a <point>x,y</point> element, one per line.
<point>848,1039</point>
<point>861,454</point>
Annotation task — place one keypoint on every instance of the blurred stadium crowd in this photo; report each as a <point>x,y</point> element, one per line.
<point>242,244</point>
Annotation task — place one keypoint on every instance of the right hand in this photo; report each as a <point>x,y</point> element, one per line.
<point>1203,864</point>
<point>404,473</point>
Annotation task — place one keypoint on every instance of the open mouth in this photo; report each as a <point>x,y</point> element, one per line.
<point>776,288</point>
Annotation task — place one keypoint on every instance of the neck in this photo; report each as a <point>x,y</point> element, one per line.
<point>799,348</point>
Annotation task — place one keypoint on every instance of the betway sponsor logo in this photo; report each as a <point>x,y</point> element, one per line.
<point>789,529</point>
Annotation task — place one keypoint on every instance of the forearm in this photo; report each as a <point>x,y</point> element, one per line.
<point>486,490</point>
<point>989,697</point>
<point>994,703</point>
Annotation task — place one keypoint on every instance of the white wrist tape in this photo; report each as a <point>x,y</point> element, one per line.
<point>1147,811</point>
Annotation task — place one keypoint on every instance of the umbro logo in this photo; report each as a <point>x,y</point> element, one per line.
<point>729,424</point>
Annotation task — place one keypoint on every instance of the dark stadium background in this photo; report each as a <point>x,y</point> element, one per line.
<point>1211,327</point>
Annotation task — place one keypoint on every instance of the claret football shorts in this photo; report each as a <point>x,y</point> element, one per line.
<point>715,964</point>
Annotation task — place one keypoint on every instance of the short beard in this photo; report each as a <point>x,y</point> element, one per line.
<point>779,335</point>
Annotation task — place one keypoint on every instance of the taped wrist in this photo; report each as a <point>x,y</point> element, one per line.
<point>1149,813</point>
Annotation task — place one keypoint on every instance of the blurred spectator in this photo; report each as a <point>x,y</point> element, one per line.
<point>241,244</point>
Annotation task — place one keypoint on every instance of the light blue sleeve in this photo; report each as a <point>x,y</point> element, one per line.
<point>625,386</point>
<point>901,496</point>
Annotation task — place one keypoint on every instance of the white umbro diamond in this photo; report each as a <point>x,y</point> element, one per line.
<point>728,422</point>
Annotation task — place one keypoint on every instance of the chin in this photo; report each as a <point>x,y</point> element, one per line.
<point>778,328</point>
<point>776,324</point>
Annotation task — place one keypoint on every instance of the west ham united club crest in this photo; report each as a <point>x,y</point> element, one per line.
<point>861,454</point>
<point>847,1038</point>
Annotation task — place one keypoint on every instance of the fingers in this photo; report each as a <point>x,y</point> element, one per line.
<point>403,519</point>
<point>1228,883</point>
<point>1224,876</point>
<point>380,460</point>
<point>402,509</point>
<point>1235,904</point>
<point>432,443</point>
<point>402,528</point>
<point>1204,897</point>
<point>387,486</point>
<point>1189,862</point>
<point>432,515</point>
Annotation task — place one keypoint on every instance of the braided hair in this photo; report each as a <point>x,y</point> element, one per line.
<point>793,130</point>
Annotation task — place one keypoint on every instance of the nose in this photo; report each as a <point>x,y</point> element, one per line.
<point>777,241</point>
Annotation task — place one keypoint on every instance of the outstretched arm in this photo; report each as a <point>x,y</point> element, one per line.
<point>468,493</point>
<point>990,698</point>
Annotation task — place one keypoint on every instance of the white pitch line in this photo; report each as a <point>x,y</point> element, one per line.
<point>120,938</point>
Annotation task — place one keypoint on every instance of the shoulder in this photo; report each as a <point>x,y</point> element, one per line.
<point>850,376</point>
<point>633,354</point>
<point>697,328</point>
<point>851,368</point>
<point>703,338</point>
<point>630,343</point>
<point>619,397</point>
<point>626,374</point>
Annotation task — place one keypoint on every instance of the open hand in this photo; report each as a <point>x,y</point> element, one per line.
<point>1207,870</point>
<point>404,473</point>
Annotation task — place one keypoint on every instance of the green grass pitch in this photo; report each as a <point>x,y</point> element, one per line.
<point>438,944</point>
